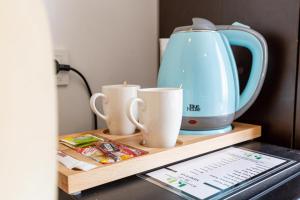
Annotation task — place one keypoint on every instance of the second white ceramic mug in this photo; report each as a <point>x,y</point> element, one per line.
<point>115,102</point>
<point>160,115</point>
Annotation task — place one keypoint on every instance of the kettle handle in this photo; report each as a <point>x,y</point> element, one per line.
<point>255,42</point>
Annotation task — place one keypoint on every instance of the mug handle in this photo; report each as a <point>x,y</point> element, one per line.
<point>93,104</point>
<point>131,116</point>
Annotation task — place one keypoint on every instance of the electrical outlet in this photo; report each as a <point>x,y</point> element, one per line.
<point>62,78</point>
<point>62,56</point>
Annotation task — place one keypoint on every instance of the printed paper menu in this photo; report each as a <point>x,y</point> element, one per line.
<point>207,175</point>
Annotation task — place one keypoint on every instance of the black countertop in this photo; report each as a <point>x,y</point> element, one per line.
<point>135,188</point>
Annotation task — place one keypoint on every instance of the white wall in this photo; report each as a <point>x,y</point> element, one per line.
<point>109,41</point>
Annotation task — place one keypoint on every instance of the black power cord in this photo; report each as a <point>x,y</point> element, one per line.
<point>63,67</point>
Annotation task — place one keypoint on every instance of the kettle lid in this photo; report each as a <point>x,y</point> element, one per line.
<point>198,25</point>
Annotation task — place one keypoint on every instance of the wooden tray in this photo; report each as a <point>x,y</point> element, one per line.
<point>73,181</point>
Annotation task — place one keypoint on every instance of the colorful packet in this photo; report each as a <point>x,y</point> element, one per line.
<point>131,151</point>
<point>81,141</point>
<point>107,147</point>
<point>118,151</point>
<point>95,154</point>
<point>121,155</point>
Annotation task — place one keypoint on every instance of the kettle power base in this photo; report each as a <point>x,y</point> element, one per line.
<point>74,181</point>
<point>207,132</point>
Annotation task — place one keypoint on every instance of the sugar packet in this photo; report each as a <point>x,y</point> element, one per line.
<point>72,163</point>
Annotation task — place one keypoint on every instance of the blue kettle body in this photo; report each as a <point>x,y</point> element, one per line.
<point>199,59</point>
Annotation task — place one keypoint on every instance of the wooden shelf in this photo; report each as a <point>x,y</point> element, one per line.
<point>72,181</point>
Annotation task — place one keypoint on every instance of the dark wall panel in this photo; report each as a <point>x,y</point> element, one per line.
<point>278,21</point>
<point>297,117</point>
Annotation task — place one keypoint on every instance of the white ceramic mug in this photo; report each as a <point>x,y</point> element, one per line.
<point>115,102</point>
<point>160,115</point>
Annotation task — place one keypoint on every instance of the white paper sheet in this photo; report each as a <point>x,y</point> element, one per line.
<point>207,175</point>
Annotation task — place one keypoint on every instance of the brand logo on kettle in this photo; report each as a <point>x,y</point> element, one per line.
<point>193,107</point>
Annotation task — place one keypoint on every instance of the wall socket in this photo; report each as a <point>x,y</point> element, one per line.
<point>62,56</point>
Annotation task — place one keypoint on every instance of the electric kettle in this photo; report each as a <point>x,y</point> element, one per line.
<point>199,59</point>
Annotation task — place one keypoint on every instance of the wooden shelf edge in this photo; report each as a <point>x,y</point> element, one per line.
<point>85,180</point>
